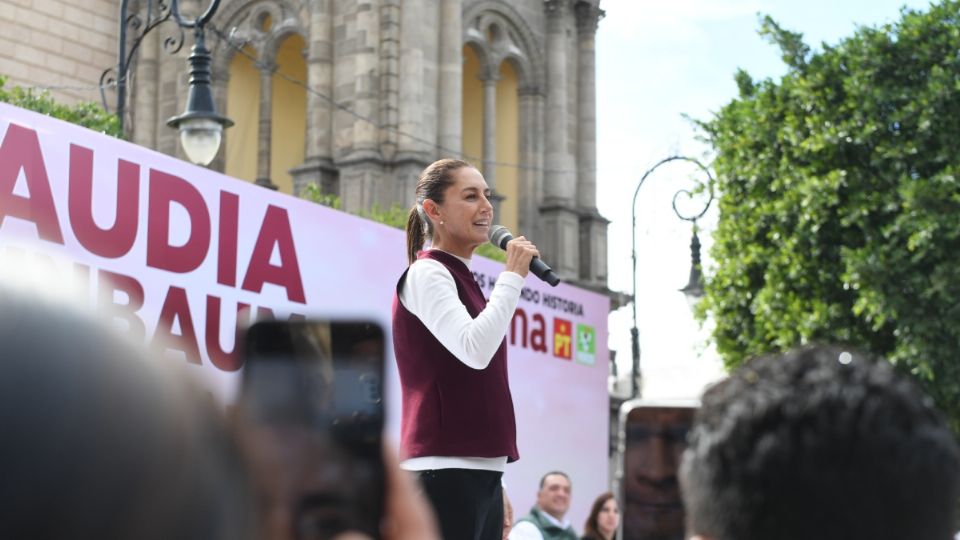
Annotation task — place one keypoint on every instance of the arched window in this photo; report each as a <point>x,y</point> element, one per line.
<point>497,74</point>
<point>243,100</point>
<point>266,96</point>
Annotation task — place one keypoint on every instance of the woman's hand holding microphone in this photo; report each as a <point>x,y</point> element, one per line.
<point>520,252</point>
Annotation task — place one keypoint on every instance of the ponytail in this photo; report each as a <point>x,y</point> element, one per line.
<point>415,234</point>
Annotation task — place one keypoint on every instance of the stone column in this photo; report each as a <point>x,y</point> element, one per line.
<point>317,167</point>
<point>530,174</point>
<point>539,106</point>
<point>587,17</point>
<point>558,187</point>
<point>450,124</point>
<point>490,128</point>
<point>413,154</point>
<point>390,34</point>
<point>490,136</point>
<point>367,84</point>
<point>357,78</point>
<point>344,77</point>
<point>559,241</point>
<point>593,226</point>
<point>264,127</point>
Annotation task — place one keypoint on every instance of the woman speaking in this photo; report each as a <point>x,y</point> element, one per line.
<point>458,429</point>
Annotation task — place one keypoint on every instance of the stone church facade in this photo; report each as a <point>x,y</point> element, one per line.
<point>358,96</point>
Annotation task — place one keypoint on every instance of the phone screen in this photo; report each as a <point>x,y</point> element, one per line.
<point>655,438</point>
<point>312,407</point>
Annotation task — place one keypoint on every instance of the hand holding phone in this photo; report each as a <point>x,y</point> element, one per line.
<point>312,413</point>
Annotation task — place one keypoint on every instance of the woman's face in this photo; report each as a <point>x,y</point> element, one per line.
<point>609,518</point>
<point>466,213</point>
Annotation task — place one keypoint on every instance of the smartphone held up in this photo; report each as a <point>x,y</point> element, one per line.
<point>653,437</point>
<point>311,412</point>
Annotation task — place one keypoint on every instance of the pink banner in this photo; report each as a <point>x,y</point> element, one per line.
<point>176,252</point>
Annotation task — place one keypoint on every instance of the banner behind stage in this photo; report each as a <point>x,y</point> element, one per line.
<point>174,251</point>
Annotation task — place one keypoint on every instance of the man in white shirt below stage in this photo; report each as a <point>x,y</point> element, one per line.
<point>546,520</point>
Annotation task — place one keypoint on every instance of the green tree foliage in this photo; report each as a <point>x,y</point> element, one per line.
<point>840,201</point>
<point>395,216</point>
<point>87,114</point>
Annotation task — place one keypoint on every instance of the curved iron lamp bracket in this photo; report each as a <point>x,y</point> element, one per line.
<point>154,15</point>
<point>633,245</point>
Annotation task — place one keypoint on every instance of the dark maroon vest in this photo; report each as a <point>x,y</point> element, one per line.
<point>450,409</point>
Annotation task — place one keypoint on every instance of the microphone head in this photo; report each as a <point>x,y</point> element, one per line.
<point>499,236</point>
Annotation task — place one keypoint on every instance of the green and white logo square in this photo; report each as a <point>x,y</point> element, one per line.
<point>586,345</point>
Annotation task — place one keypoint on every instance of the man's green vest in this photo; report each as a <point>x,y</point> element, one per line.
<point>548,529</point>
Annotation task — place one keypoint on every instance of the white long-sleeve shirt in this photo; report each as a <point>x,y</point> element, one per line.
<point>430,294</point>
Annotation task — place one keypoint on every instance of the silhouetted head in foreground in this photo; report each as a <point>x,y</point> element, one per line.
<point>99,443</point>
<point>819,443</point>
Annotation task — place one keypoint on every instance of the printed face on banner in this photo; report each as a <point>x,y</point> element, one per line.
<point>655,438</point>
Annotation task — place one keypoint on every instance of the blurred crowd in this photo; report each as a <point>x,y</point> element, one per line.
<point>102,442</point>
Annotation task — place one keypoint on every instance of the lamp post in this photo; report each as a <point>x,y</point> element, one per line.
<point>200,126</point>
<point>694,287</point>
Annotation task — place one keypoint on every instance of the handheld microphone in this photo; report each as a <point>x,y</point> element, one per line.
<point>500,235</point>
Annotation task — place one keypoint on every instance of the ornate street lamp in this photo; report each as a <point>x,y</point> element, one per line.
<point>694,288</point>
<point>200,126</point>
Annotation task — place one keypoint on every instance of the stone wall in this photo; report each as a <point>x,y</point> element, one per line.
<point>59,43</point>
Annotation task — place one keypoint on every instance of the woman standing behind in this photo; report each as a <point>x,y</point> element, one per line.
<point>458,429</point>
<point>604,519</point>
